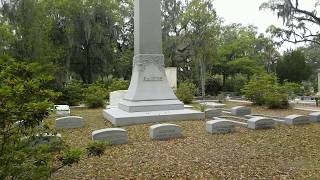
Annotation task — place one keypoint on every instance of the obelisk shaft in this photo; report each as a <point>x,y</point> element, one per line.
<point>147,27</point>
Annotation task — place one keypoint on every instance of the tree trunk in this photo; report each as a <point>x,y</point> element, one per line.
<point>203,78</point>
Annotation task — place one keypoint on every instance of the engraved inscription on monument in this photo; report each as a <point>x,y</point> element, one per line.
<point>154,78</point>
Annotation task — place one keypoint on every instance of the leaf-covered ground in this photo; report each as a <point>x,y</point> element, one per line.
<point>286,152</point>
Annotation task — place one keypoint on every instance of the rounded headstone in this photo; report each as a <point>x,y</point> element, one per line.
<point>210,113</point>
<point>112,135</point>
<point>315,117</point>
<point>165,131</point>
<point>220,126</point>
<point>260,123</point>
<point>296,119</point>
<point>70,122</point>
<point>62,110</point>
<point>240,111</point>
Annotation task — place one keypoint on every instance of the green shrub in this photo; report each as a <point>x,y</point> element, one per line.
<point>70,157</point>
<point>185,92</point>
<point>265,90</point>
<point>277,98</point>
<point>25,100</point>
<point>119,84</point>
<point>96,148</point>
<point>95,95</point>
<point>72,93</point>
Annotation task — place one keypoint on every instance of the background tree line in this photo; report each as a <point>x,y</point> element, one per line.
<point>92,40</point>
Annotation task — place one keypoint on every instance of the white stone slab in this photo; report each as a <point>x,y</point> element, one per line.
<point>119,117</point>
<point>220,126</point>
<point>296,119</point>
<point>165,131</point>
<point>188,106</point>
<point>70,122</point>
<point>240,111</point>
<point>171,73</point>
<point>260,123</point>
<point>112,135</point>
<point>315,117</point>
<point>62,110</point>
<point>210,113</point>
<point>116,97</point>
<point>213,104</point>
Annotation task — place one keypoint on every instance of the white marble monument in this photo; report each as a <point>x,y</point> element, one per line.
<point>115,98</point>
<point>149,97</point>
<point>171,73</point>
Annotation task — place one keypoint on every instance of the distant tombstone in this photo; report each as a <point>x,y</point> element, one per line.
<point>70,122</point>
<point>62,110</point>
<point>220,126</point>
<point>171,73</point>
<point>45,139</point>
<point>260,123</point>
<point>210,113</point>
<point>240,111</point>
<point>188,106</point>
<point>165,131</point>
<point>315,117</point>
<point>116,97</point>
<point>296,119</point>
<point>112,135</point>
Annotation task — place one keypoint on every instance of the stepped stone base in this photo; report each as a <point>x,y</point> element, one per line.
<point>119,117</point>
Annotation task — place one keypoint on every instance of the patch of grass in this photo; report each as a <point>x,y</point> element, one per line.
<point>286,152</point>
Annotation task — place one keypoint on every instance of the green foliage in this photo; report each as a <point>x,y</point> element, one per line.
<point>71,93</point>
<point>25,102</point>
<point>95,95</point>
<point>118,84</point>
<point>203,107</point>
<point>293,67</point>
<point>70,157</point>
<point>97,148</point>
<point>265,90</point>
<point>185,92</point>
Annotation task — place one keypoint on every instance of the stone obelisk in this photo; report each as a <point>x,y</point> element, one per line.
<point>149,88</point>
<point>149,97</point>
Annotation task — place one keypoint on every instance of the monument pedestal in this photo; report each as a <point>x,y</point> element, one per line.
<point>119,117</point>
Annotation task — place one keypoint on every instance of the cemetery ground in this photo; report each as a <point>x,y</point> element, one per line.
<point>283,152</point>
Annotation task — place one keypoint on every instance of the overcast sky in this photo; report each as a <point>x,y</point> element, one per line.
<point>247,12</point>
